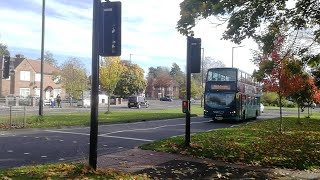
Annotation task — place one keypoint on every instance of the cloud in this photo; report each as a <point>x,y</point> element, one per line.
<point>148,32</point>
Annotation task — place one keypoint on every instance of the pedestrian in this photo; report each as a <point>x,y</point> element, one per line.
<point>58,101</point>
<point>51,101</point>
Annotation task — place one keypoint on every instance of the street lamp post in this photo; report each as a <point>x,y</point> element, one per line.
<point>130,57</point>
<point>202,74</point>
<point>42,59</point>
<point>232,53</point>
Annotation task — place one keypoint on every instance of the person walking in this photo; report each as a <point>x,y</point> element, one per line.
<point>58,99</point>
<point>51,101</point>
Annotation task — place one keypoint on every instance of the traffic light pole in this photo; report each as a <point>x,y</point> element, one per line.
<point>188,88</point>
<point>95,87</point>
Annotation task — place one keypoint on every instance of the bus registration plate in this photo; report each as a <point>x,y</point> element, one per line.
<point>219,118</point>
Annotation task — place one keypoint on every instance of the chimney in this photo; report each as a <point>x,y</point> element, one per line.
<point>18,56</point>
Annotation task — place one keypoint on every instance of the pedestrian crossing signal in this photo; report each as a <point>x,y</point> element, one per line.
<point>185,106</point>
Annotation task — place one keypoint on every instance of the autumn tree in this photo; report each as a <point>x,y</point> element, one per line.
<point>246,19</point>
<point>73,77</point>
<point>279,71</point>
<point>110,73</point>
<point>162,79</point>
<point>131,81</point>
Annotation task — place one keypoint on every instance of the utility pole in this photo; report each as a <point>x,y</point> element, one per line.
<point>42,59</point>
<point>202,76</point>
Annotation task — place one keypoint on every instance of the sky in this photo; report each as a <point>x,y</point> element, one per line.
<point>149,34</point>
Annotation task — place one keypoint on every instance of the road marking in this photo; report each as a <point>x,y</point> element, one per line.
<point>121,124</point>
<point>9,151</point>
<point>43,156</point>
<point>145,129</point>
<point>118,137</point>
<point>64,132</point>
<point>61,159</point>
<point>135,139</point>
<point>26,153</point>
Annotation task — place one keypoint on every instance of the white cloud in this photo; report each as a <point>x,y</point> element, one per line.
<point>148,32</point>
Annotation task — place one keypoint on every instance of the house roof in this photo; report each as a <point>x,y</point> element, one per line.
<point>36,65</point>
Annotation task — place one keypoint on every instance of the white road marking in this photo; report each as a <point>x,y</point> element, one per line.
<point>61,159</point>
<point>121,124</point>
<point>9,151</point>
<point>43,156</point>
<point>145,129</point>
<point>26,153</point>
<point>118,137</point>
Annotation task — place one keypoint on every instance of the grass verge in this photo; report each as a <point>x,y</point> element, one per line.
<point>257,143</point>
<point>83,119</point>
<point>64,171</point>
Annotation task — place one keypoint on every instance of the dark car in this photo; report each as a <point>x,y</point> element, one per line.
<point>137,101</point>
<point>166,98</point>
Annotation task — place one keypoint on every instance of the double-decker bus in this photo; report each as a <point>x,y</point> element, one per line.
<point>231,94</point>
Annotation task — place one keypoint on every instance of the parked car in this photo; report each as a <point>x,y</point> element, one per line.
<point>166,98</point>
<point>84,102</point>
<point>137,101</point>
<point>261,107</point>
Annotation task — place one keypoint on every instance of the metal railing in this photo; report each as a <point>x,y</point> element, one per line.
<point>13,116</point>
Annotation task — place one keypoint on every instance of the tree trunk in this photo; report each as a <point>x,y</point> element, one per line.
<point>280,103</point>
<point>299,122</point>
<point>108,104</point>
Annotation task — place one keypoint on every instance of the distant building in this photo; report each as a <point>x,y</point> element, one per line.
<point>25,76</point>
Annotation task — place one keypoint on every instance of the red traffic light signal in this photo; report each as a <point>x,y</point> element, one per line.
<point>185,106</point>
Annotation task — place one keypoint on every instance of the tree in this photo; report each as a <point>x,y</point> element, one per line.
<point>132,81</point>
<point>280,72</point>
<point>177,75</point>
<point>246,19</point>
<point>4,50</point>
<point>110,73</point>
<point>73,77</point>
<point>48,58</point>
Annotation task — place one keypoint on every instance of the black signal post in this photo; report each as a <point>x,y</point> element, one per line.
<point>94,86</point>
<point>193,66</point>
<point>106,41</point>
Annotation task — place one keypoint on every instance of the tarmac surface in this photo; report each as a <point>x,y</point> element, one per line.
<point>159,165</point>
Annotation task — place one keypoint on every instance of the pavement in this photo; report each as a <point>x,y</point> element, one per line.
<point>159,165</point>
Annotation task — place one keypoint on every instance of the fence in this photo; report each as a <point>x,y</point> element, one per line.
<point>13,116</point>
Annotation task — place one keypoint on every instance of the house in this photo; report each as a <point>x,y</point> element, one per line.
<point>25,76</point>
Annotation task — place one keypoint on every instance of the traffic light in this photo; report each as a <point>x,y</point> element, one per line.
<point>194,54</point>
<point>6,67</point>
<point>185,106</point>
<point>110,29</point>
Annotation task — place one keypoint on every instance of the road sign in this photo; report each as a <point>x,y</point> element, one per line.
<point>110,29</point>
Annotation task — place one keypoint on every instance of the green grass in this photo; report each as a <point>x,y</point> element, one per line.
<point>64,171</point>
<point>257,143</point>
<point>83,119</point>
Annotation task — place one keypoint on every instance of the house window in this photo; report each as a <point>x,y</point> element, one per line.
<point>24,92</point>
<point>37,77</point>
<point>25,75</point>
<point>37,92</point>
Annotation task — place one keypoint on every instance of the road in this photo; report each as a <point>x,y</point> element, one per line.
<point>36,146</point>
